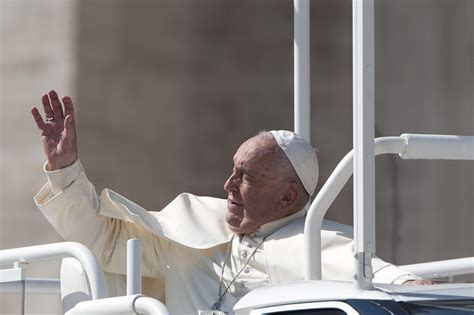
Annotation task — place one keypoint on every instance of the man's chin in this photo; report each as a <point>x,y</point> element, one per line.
<point>234,228</point>
<point>239,229</point>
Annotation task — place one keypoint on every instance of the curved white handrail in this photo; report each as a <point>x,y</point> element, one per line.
<point>57,251</point>
<point>327,195</point>
<point>147,305</point>
<point>129,304</point>
<point>113,305</point>
<point>409,146</point>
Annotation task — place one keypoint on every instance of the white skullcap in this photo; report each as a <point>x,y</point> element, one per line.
<point>301,155</point>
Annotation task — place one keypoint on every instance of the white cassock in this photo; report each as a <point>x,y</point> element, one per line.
<point>185,244</point>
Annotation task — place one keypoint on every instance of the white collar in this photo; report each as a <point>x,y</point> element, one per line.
<point>270,227</point>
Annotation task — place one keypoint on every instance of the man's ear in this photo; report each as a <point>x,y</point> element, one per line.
<point>289,197</point>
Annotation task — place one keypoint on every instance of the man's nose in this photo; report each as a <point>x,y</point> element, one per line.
<point>229,184</point>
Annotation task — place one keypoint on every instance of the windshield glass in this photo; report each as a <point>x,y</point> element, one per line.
<point>463,307</point>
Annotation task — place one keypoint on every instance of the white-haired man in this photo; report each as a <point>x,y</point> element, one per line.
<point>208,256</point>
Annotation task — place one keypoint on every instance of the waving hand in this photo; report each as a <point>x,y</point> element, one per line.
<point>58,130</point>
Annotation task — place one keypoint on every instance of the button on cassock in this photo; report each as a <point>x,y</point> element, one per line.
<point>241,284</point>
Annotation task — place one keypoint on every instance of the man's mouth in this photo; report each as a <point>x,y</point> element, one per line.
<point>232,204</point>
<point>234,215</point>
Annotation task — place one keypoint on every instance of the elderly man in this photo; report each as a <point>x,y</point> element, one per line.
<point>207,256</point>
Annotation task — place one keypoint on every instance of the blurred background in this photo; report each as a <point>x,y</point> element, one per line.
<point>167,90</point>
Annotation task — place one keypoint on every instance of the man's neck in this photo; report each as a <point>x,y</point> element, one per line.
<point>272,226</point>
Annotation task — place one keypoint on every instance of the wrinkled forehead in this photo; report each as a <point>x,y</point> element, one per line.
<point>257,149</point>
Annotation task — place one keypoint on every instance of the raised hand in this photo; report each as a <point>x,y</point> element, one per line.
<point>58,130</point>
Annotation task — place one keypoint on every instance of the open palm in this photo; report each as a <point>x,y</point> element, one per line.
<point>58,132</point>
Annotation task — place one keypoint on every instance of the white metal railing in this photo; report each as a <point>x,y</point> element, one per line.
<point>148,305</point>
<point>442,268</point>
<point>134,260</point>
<point>14,281</point>
<point>57,251</point>
<point>408,146</point>
<point>301,64</point>
<point>129,304</point>
<point>442,147</point>
<point>363,82</point>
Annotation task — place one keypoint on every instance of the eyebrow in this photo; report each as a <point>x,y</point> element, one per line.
<point>244,170</point>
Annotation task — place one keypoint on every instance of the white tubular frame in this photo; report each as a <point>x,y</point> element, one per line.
<point>57,251</point>
<point>146,305</point>
<point>363,135</point>
<point>134,260</point>
<point>326,196</point>
<point>442,268</point>
<point>301,68</point>
<point>129,304</point>
<point>438,147</point>
<point>342,173</point>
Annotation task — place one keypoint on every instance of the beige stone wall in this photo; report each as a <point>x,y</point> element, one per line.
<point>181,89</point>
<point>37,52</point>
<point>425,75</point>
<point>167,90</point>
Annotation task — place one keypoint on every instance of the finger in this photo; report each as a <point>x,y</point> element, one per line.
<point>47,106</point>
<point>69,126</point>
<point>68,106</point>
<point>56,104</point>
<point>38,119</point>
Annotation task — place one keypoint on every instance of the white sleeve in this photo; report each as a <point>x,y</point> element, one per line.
<point>59,180</point>
<point>70,203</point>
<point>387,273</point>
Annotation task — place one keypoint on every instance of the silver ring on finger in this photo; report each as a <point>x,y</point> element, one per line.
<point>48,119</point>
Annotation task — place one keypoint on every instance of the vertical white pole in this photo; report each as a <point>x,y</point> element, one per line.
<point>134,275</point>
<point>364,157</point>
<point>301,68</point>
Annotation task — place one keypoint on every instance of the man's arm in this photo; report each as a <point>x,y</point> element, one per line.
<point>70,203</point>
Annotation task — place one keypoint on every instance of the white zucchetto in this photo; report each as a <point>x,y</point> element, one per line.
<point>301,155</point>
